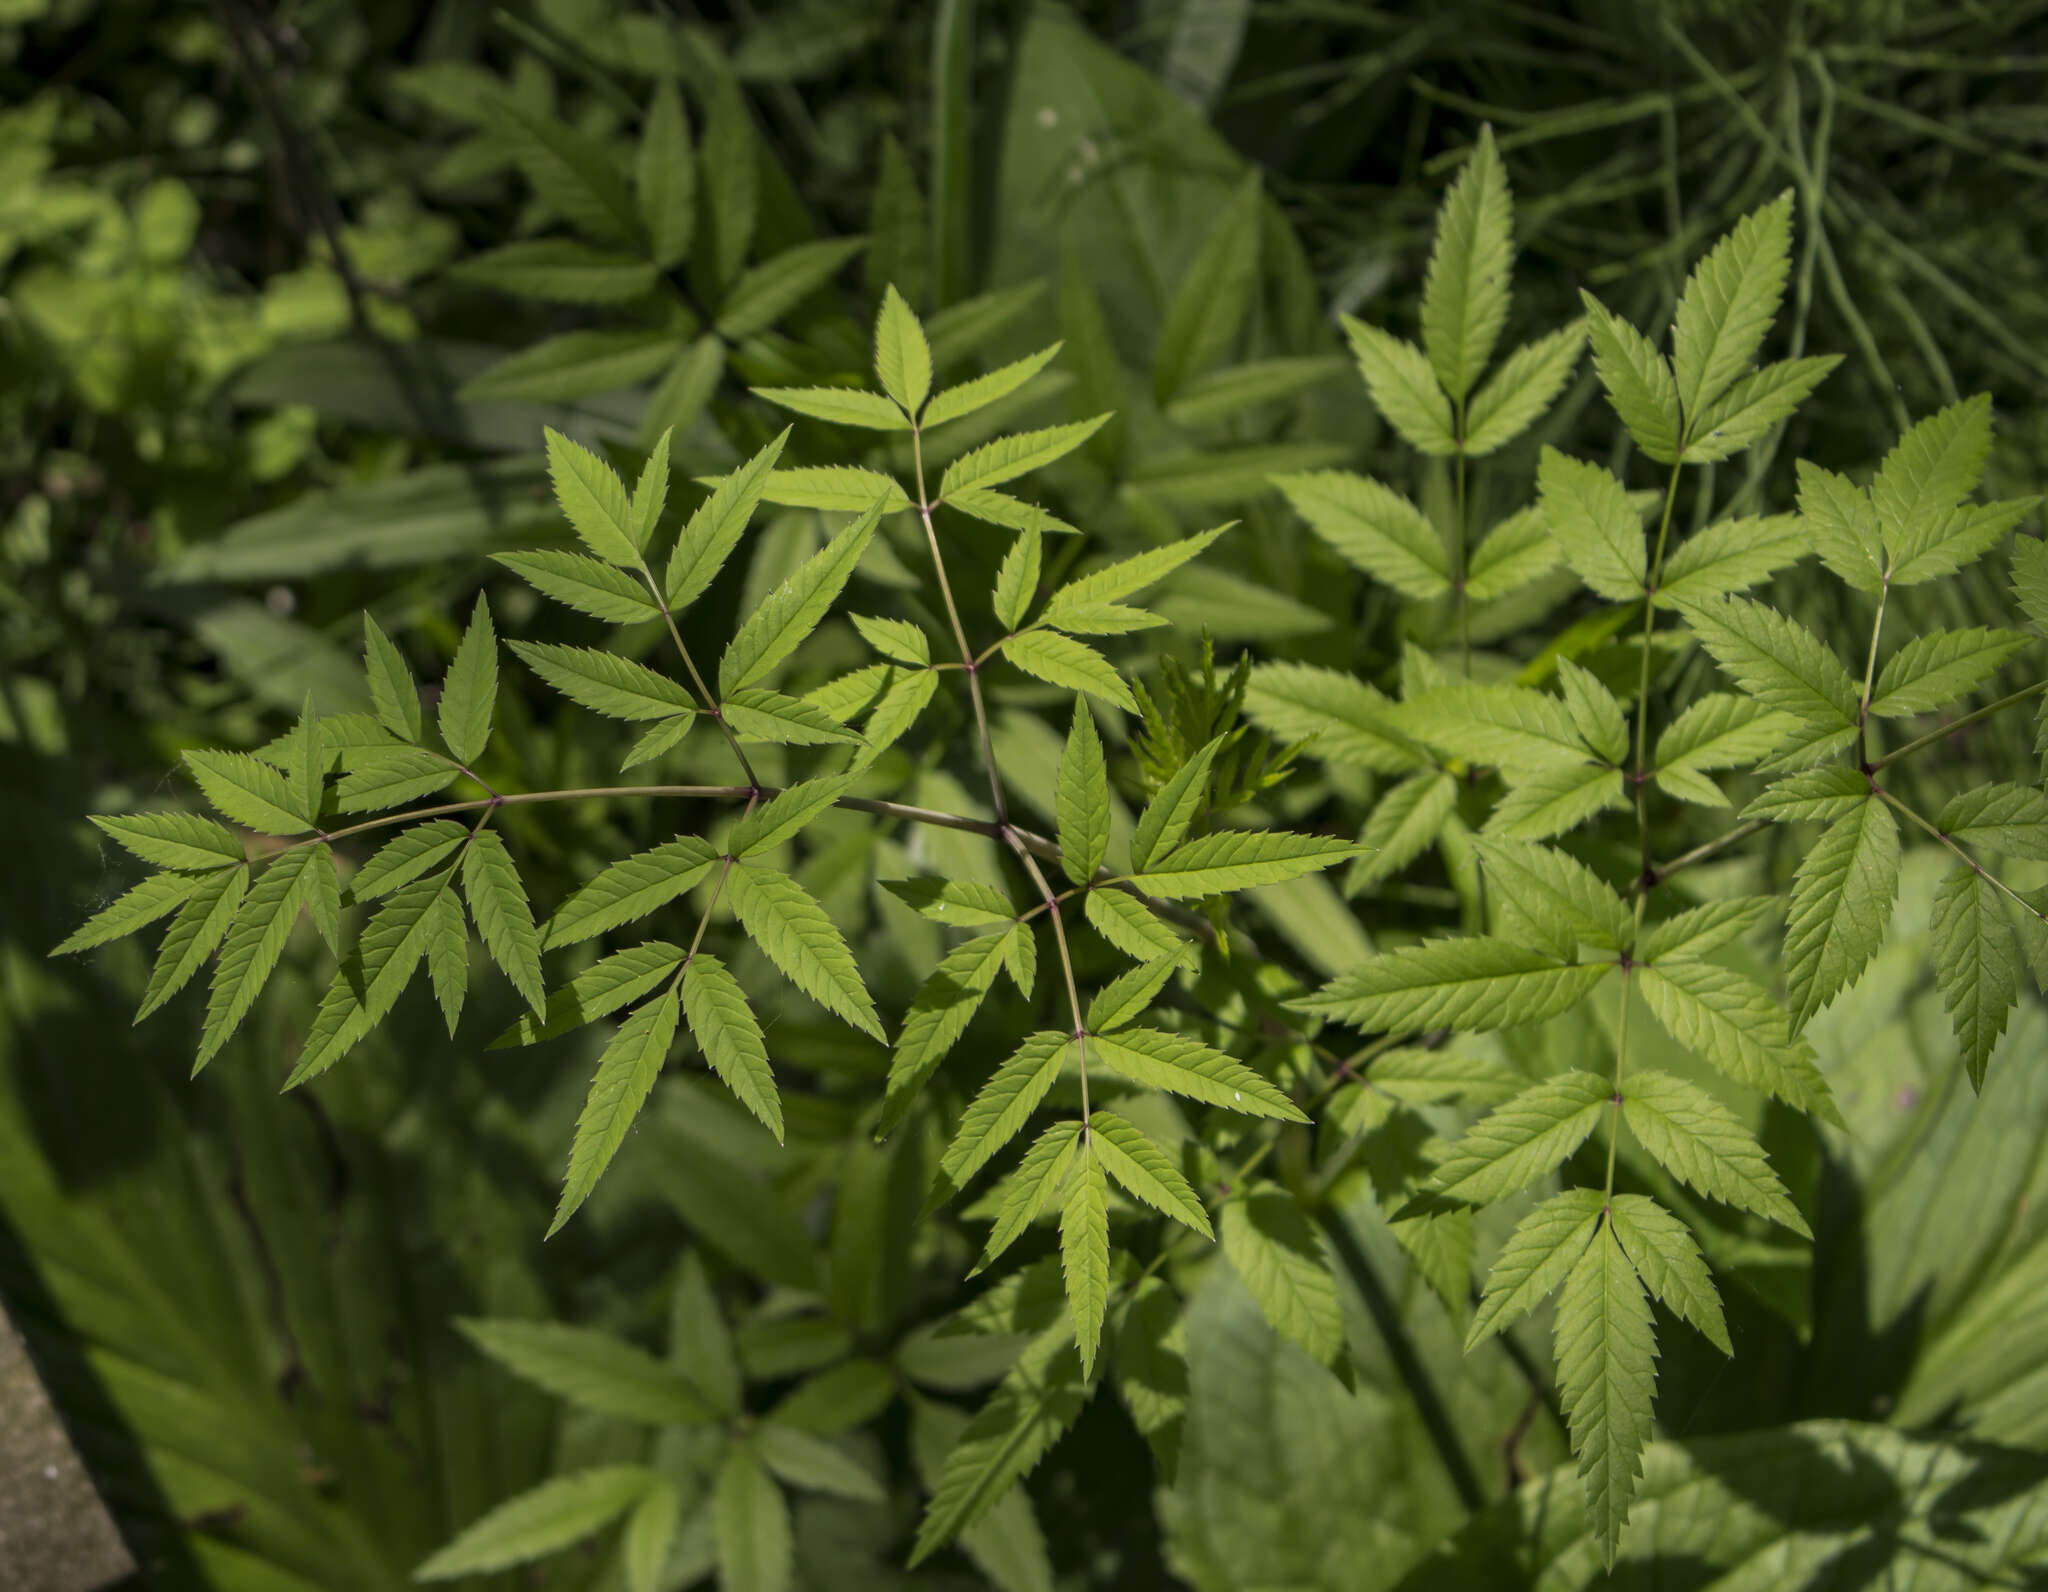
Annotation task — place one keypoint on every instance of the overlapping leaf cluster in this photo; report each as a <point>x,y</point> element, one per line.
<point>1528,782</point>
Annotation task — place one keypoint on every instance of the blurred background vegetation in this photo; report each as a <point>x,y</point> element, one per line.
<point>284,307</point>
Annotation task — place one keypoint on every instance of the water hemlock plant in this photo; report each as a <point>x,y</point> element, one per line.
<point>1545,786</point>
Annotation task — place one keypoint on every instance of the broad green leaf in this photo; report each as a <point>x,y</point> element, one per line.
<point>960,902</point>
<point>1495,725</point>
<point>803,1459</point>
<point>1465,294</point>
<point>1017,579</point>
<point>1607,1380</point>
<point>592,1370</point>
<point>1084,1252</point>
<point>560,1511</point>
<point>1239,860</point>
<point>730,168</point>
<point>1718,731</point>
<point>1842,524</point>
<point>497,900</point>
<point>1144,1171</point>
<point>2008,818</point>
<point>1006,458</point>
<point>1403,825</point>
<point>606,683</point>
<point>998,1113</point>
<point>559,269</point>
<point>1069,664</point>
<point>750,1524</point>
<point>617,980</point>
<point>575,365</point>
<point>249,791</point>
<point>1728,305</point>
<point>1166,819</point>
<point>715,529</point>
<point>903,359</point>
<point>1732,555</point>
<point>1012,514</point>
<point>1701,929</point>
<point>1275,1252</point>
<point>1128,924</point>
<point>1036,1403</point>
<point>1553,900</point>
<point>1960,539</point>
<point>404,857</point>
<point>1638,382</point>
<point>1346,720</point>
<point>1212,296</point>
<point>763,715</point>
<point>1404,388</point>
<point>1737,1028</point>
<point>594,500</point>
<point>896,639</point>
<point>1841,905</point>
<point>793,610</point>
<point>1555,799</point>
<point>1373,528</point>
<point>2030,577</point>
<point>665,179</point>
<point>397,699</point>
<point>1083,800</point>
<point>155,897</point>
<point>1032,1189</point>
<point>728,1033</point>
<point>1594,711</point>
<point>1516,395</point>
<point>1155,1059</point>
<point>387,777</point>
<point>183,841</point>
<point>585,584</point>
<point>1754,406</point>
<point>650,1535</point>
<point>1776,660</point>
<point>1130,575</point>
<point>1462,984</point>
<point>1124,998</point>
<point>955,403</point>
<point>387,954</point>
<point>447,932</point>
<point>770,290</point>
<point>785,814</point>
<point>1517,551</point>
<point>1538,1256</point>
<point>572,174</point>
<point>201,924</point>
<point>785,920</point>
<point>631,888</point>
<point>625,1077</point>
<point>1699,1141</point>
<point>1928,474</point>
<point>1933,670</point>
<point>469,695</point>
<point>1975,963</point>
<point>842,406</point>
<point>688,380</point>
<point>255,940</point>
<point>1665,1256</point>
<point>1225,393</point>
<point>1526,1138</point>
<point>1600,531</point>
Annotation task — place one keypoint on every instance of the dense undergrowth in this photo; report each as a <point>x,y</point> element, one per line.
<point>1296,679</point>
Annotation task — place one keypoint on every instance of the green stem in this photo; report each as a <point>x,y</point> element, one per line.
<point>1620,1067</point>
<point>1963,856</point>
<point>704,694</point>
<point>1035,843</point>
<point>1641,781</point>
<point>1950,728</point>
<point>1701,853</point>
<point>1884,592</point>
